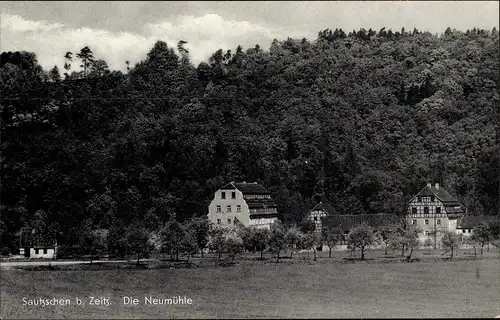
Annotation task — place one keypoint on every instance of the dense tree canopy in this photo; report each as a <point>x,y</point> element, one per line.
<point>361,120</point>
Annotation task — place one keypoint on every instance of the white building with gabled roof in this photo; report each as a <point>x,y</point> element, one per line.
<point>249,203</point>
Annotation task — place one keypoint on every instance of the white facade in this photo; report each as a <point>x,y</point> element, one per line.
<point>42,253</point>
<point>230,205</point>
<point>316,216</point>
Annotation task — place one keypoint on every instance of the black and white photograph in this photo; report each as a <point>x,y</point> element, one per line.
<point>249,159</point>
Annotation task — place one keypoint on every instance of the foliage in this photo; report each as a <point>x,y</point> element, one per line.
<point>450,241</point>
<point>361,237</point>
<point>331,237</point>
<point>137,239</point>
<point>482,234</point>
<point>276,241</point>
<point>361,120</point>
<point>292,237</point>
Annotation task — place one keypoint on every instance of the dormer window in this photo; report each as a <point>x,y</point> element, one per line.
<point>419,199</point>
<point>432,198</point>
<point>223,195</point>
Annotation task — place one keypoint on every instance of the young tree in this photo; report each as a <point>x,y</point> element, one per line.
<point>276,240</point>
<point>309,241</point>
<point>450,240</point>
<point>384,234</point>
<point>473,242</point>
<point>428,243</point>
<point>292,236</point>
<point>361,237</point>
<point>410,239</point>
<point>233,244</point>
<point>138,237</point>
<point>259,238</point>
<point>117,240</point>
<point>189,245</point>
<point>87,58</point>
<point>482,234</point>
<point>94,243</point>
<point>331,237</point>
<point>199,230</point>
<point>217,239</point>
<point>172,235</point>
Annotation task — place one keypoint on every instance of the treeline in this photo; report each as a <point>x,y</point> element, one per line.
<point>360,120</point>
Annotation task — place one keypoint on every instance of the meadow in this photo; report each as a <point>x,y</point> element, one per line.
<point>461,288</point>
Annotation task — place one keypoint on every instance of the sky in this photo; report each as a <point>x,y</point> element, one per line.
<point>117,31</point>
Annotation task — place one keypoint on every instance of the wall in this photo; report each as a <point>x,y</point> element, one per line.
<point>243,216</point>
<point>49,255</point>
<point>319,214</point>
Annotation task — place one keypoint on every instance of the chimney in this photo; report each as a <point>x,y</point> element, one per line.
<point>429,184</point>
<point>437,185</point>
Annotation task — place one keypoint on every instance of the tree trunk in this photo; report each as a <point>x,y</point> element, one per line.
<point>362,253</point>
<point>482,247</point>
<point>177,255</point>
<point>202,253</point>
<point>409,256</point>
<point>232,257</point>
<point>474,252</point>
<point>330,253</point>
<point>278,257</point>
<point>314,255</point>
<point>138,257</point>
<point>261,253</point>
<point>291,254</point>
<point>218,258</point>
<point>402,250</point>
<point>451,253</point>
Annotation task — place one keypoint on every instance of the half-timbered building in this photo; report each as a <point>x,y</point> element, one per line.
<point>433,210</point>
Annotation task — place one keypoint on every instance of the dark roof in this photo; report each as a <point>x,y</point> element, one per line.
<point>469,222</point>
<point>246,188</point>
<point>325,207</point>
<point>346,222</point>
<point>439,193</point>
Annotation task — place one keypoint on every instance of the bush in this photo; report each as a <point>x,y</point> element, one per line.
<point>5,251</point>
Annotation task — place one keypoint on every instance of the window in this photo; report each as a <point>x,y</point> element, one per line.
<point>414,210</point>
<point>228,208</point>
<point>223,195</point>
<point>228,221</point>
<point>36,251</point>
<point>238,208</point>
<point>468,231</point>
<point>432,198</point>
<point>438,221</point>
<point>315,218</point>
<point>463,230</point>
<point>218,221</point>
<point>218,208</point>
<point>426,210</point>
<point>426,221</point>
<point>414,222</point>
<point>419,199</point>
<point>438,209</point>
<point>233,195</point>
<point>44,251</point>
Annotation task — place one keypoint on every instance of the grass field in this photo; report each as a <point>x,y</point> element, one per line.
<point>421,289</point>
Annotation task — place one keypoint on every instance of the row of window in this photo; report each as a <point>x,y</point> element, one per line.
<point>426,210</point>
<point>425,199</point>
<point>38,250</point>
<point>228,208</point>
<point>223,195</point>
<point>257,196</point>
<point>438,221</point>
<point>219,221</point>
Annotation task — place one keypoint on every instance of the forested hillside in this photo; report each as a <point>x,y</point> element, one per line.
<point>360,120</point>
